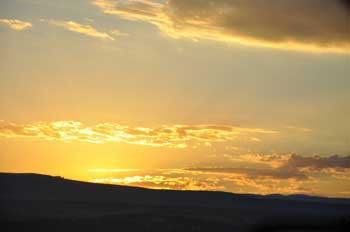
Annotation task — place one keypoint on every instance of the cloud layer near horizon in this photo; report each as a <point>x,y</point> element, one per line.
<point>313,25</point>
<point>282,166</point>
<point>259,175</point>
<point>176,136</point>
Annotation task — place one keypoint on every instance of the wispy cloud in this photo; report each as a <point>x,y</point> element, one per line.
<point>118,33</point>
<point>87,30</point>
<point>16,24</point>
<point>114,170</point>
<point>296,161</point>
<point>277,173</point>
<point>317,25</point>
<point>176,136</point>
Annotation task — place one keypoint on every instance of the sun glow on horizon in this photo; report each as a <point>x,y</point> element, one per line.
<point>237,96</point>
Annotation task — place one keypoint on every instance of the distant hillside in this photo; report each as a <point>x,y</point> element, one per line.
<point>40,202</point>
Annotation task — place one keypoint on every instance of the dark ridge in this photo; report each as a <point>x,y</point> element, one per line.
<point>33,202</point>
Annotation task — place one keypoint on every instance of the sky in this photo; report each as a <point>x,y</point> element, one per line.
<point>228,95</point>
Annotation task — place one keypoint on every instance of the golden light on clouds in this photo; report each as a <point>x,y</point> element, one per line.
<point>163,94</point>
<point>241,22</point>
<point>175,136</point>
<point>163,182</point>
<point>273,160</point>
<point>82,29</point>
<point>16,24</point>
<point>114,170</point>
<point>213,183</point>
<point>294,174</point>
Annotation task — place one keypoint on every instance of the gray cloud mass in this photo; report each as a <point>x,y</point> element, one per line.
<point>307,25</point>
<point>324,22</point>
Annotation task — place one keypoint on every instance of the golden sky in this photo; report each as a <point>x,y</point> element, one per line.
<point>228,95</point>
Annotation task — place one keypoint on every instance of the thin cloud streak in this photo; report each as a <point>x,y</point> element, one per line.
<point>118,33</point>
<point>174,136</point>
<point>17,24</point>
<point>297,161</point>
<point>87,30</point>
<point>114,170</point>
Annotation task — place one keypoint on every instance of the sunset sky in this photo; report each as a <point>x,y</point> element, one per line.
<point>227,95</point>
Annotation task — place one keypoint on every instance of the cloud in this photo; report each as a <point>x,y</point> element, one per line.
<point>255,173</point>
<point>313,25</point>
<point>175,136</point>
<point>118,33</point>
<point>183,179</point>
<point>283,166</point>
<point>268,185</point>
<point>114,170</point>
<point>271,160</point>
<point>82,29</point>
<point>247,177</point>
<point>16,24</point>
<point>162,182</point>
<point>317,162</point>
<point>295,161</point>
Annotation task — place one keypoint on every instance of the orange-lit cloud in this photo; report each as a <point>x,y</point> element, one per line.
<point>114,170</point>
<point>288,173</point>
<point>82,29</point>
<point>255,173</point>
<point>315,25</point>
<point>16,24</point>
<point>163,182</point>
<point>272,160</point>
<point>295,161</point>
<point>176,136</point>
<point>285,179</point>
<point>182,179</point>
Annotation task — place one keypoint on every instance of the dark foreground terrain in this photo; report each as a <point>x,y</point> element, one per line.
<point>31,202</point>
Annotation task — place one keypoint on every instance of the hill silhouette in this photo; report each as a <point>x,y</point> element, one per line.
<point>33,202</point>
